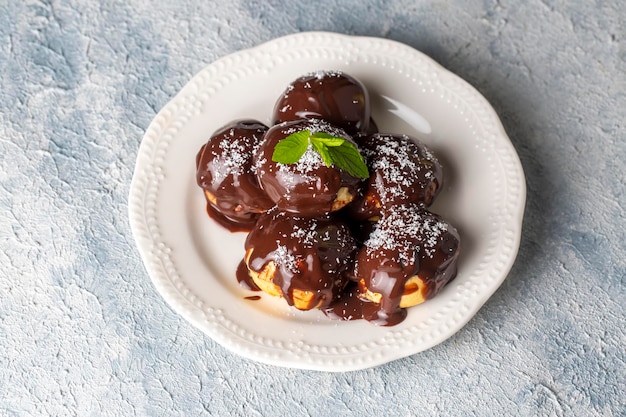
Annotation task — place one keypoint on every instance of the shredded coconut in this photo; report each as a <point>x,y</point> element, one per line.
<point>311,159</point>
<point>232,160</point>
<point>399,163</point>
<point>321,74</point>
<point>407,230</point>
<point>306,236</point>
<point>284,258</point>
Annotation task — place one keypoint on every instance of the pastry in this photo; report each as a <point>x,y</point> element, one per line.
<point>224,172</point>
<point>402,171</point>
<point>332,96</point>
<point>408,258</point>
<point>307,187</point>
<point>301,259</point>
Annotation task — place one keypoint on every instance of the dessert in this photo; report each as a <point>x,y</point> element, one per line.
<point>402,171</point>
<point>304,260</point>
<point>332,96</point>
<point>408,258</point>
<point>307,187</point>
<point>336,211</point>
<point>224,172</point>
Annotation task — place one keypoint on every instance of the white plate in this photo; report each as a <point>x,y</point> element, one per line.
<point>192,261</point>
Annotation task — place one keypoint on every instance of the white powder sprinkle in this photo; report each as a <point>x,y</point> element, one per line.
<point>284,258</point>
<point>399,162</point>
<point>311,159</point>
<point>321,74</point>
<point>408,230</point>
<point>306,236</point>
<point>232,160</point>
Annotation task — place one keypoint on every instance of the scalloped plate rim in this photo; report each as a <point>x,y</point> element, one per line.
<point>266,354</point>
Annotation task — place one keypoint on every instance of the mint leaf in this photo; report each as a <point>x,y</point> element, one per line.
<point>322,141</point>
<point>333,150</point>
<point>323,151</point>
<point>348,158</point>
<point>326,139</point>
<point>290,149</point>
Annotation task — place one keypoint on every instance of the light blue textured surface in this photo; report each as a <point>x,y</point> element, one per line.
<point>84,332</point>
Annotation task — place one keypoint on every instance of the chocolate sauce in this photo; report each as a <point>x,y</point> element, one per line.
<point>308,187</point>
<point>350,306</point>
<point>407,242</point>
<point>224,172</point>
<point>244,279</point>
<point>327,95</point>
<point>372,129</point>
<point>360,262</point>
<point>243,224</point>
<point>310,255</point>
<point>402,171</point>
<point>360,137</point>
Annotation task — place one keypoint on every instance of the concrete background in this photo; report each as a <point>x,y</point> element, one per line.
<point>84,332</point>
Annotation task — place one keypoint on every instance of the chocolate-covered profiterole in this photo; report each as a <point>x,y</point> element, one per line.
<point>407,259</point>
<point>307,187</point>
<point>328,95</point>
<point>304,260</point>
<point>320,236</point>
<point>402,171</point>
<point>224,172</point>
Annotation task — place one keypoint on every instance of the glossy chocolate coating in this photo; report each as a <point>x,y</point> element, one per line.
<point>310,254</point>
<point>402,171</point>
<point>407,241</point>
<point>328,95</point>
<point>356,263</point>
<point>308,187</point>
<point>224,170</point>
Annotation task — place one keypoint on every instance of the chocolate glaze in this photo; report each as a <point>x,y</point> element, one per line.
<point>241,224</point>
<point>372,129</point>
<point>360,229</point>
<point>224,172</point>
<point>244,279</point>
<point>376,244</point>
<point>328,95</point>
<point>350,306</point>
<point>402,171</point>
<point>308,187</point>
<point>310,254</point>
<point>407,241</point>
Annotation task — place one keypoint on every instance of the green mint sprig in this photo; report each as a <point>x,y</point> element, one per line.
<point>333,150</point>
